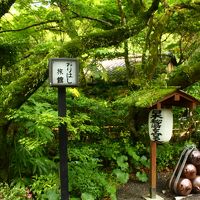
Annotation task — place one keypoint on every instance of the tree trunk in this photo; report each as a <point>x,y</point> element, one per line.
<point>136,118</point>
<point>5,6</point>
<point>4,158</point>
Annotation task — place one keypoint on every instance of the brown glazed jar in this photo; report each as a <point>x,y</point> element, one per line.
<point>184,187</point>
<point>198,169</point>
<point>189,171</point>
<point>196,184</point>
<point>194,157</point>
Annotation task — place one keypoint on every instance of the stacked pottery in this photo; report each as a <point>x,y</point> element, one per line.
<point>195,160</point>
<point>190,177</point>
<point>184,186</point>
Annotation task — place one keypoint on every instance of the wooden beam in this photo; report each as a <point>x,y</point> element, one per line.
<point>193,105</point>
<point>176,97</point>
<point>158,105</point>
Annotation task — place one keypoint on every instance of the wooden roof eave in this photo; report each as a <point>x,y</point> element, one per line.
<point>177,98</point>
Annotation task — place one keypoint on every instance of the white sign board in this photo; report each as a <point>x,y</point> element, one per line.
<point>63,72</point>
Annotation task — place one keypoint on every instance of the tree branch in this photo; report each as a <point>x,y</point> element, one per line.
<point>185,75</point>
<point>23,87</point>
<point>92,18</point>
<point>31,26</point>
<point>27,85</point>
<point>153,8</point>
<point>187,6</point>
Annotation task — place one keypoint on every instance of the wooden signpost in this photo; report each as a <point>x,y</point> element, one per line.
<point>63,72</point>
<point>177,98</point>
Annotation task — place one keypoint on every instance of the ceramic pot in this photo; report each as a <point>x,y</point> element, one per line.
<point>198,169</point>
<point>194,157</point>
<point>184,187</point>
<point>189,171</point>
<point>196,184</point>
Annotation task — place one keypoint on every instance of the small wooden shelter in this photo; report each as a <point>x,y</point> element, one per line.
<point>173,98</point>
<point>177,98</point>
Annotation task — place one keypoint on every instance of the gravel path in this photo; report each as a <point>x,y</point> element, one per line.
<point>135,190</point>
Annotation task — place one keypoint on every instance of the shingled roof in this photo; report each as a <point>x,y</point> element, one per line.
<point>120,62</point>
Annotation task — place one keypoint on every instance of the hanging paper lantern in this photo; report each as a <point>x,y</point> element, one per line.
<point>160,125</point>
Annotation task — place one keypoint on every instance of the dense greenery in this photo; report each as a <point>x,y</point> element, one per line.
<point>107,115</point>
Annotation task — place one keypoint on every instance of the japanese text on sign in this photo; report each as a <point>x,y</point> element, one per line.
<point>64,72</point>
<point>156,121</point>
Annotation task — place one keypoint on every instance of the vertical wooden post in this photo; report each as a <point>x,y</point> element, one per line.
<point>153,170</point>
<point>153,175</point>
<point>63,72</point>
<point>63,144</point>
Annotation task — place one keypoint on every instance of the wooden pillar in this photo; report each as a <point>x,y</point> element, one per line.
<point>153,170</point>
<point>153,175</point>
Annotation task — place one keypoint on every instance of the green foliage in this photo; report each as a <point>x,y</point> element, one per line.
<point>142,176</point>
<point>100,158</point>
<point>86,196</point>
<point>122,176</point>
<point>194,90</point>
<point>28,158</point>
<point>29,155</point>
<point>117,74</point>
<point>9,193</point>
<point>109,13</point>
<point>144,98</point>
<point>168,155</point>
<point>86,178</point>
<point>121,172</point>
<point>33,148</point>
<point>122,162</point>
<point>46,187</point>
<point>139,160</point>
<point>101,151</point>
<point>8,55</point>
<point>147,97</point>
